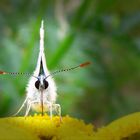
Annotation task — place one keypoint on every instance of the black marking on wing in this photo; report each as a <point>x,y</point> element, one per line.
<point>41,71</point>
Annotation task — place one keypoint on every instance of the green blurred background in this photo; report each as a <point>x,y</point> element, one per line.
<point>105,32</point>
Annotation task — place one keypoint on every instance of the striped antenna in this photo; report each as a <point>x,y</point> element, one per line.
<point>14,73</point>
<point>59,71</point>
<point>17,73</point>
<point>69,69</point>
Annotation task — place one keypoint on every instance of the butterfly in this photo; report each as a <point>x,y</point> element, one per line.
<point>41,91</point>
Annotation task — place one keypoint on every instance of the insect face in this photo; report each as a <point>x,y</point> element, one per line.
<point>41,83</point>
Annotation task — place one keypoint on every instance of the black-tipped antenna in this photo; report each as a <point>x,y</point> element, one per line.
<point>69,69</point>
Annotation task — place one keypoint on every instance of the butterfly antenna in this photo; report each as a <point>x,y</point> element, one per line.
<point>14,73</point>
<point>17,73</point>
<point>69,69</point>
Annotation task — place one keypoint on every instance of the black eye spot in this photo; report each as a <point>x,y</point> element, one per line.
<point>46,84</point>
<point>37,83</point>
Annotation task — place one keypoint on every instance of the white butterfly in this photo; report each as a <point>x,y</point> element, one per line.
<point>41,89</point>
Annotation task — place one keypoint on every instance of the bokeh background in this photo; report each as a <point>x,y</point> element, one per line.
<point>105,32</point>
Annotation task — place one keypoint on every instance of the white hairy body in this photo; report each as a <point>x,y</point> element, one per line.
<point>33,96</point>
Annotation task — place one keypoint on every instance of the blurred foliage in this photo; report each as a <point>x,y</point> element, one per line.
<point>105,32</point>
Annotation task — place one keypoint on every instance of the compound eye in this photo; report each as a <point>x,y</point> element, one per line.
<point>37,83</point>
<point>46,84</point>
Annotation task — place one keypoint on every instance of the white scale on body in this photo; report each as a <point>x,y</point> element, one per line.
<point>41,89</point>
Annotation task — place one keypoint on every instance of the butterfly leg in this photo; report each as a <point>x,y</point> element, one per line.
<point>51,110</point>
<point>57,108</point>
<point>28,109</point>
<point>29,104</point>
<point>21,107</point>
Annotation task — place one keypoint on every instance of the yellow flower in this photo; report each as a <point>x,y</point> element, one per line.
<point>43,128</point>
<point>125,128</point>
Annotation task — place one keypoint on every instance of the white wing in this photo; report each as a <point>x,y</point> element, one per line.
<point>41,64</point>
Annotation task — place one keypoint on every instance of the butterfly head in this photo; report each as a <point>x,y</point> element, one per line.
<point>41,83</point>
